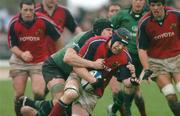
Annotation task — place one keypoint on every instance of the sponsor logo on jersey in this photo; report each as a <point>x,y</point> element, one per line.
<point>39,32</point>
<point>60,21</point>
<point>164,35</point>
<point>173,26</point>
<point>29,38</point>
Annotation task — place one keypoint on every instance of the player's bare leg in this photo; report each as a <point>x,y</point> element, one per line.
<point>70,94</point>
<point>78,110</point>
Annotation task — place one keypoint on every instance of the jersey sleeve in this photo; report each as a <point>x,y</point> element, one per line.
<point>142,38</point>
<point>12,37</point>
<point>70,22</point>
<point>89,49</point>
<point>52,30</point>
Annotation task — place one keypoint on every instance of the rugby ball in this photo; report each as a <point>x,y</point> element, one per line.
<point>86,85</point>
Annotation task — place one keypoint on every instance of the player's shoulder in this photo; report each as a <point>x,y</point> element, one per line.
<point>61,7</point>
<point>14,19</point>
<point>145,18</point>
<point>96,39</point>
<point>172,10</point>
<point>42,16</point>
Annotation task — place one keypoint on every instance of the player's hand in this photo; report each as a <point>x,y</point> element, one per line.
<point>147,74</point>
<point>131,68</point>
<point>27,56</point>
<point>98,64</point>
<point>98,83</point>
<point>134,81</point>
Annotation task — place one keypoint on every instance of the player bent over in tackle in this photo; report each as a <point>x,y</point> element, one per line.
<point>116,59</point>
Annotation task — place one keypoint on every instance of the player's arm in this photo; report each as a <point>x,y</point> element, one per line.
<point>53,31</point>
<point>13,45</point>
<point>84,74</point>
<point>71,24</point>
<point>71,57</point>
<point>143,44</point>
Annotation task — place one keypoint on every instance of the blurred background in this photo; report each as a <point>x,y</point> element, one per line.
<point>84,11</point>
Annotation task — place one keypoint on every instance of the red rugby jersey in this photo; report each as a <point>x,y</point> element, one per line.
<point>63,18</point>
<point>95,48</point>
<point>160,39</point>
<point>32,37</point>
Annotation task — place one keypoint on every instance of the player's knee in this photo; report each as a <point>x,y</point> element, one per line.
<point>71,93</point>
<point>168,90</point>
<point>178,86</point>
<point>56,88</point>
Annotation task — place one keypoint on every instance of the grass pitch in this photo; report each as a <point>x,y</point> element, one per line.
<point>155,102</point>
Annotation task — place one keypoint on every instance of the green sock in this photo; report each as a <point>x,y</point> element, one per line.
<point>45,108</point>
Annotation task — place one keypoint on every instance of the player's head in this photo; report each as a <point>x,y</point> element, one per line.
<point>102,27</point>
<point>157,9</point>
<point>50,3</point>
<point>27,8</point>
<point>138,5</point>
<point>119,40</point>
<point>156,1</point>
<point>113,8</point>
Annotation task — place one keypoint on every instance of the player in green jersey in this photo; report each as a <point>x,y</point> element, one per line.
<point>129,18</point>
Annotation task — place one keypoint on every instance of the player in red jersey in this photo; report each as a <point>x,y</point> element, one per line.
<point>61,16</point>
<point>159,49</point>
<point>26,38</point>
<point>116,60</point>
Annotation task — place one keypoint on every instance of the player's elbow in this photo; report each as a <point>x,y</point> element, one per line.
<point>68,57</point>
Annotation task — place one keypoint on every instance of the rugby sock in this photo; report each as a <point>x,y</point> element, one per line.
<point>139,101</point>
<point>175,107</point>
<point>17,107</point>
<point>128,98</point>
<point>45,108</point>
<point>118,101</point>
<point>60,109</point>
<point>122,110</point>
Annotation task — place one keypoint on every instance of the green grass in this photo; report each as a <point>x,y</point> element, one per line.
<point>156,104</point>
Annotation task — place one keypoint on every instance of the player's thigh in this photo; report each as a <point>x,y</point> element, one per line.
<point>114,85</point>
<point>52,74</point>
<point>19,80</point>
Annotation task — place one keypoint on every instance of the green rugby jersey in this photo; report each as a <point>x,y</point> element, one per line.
<point>126,18</point>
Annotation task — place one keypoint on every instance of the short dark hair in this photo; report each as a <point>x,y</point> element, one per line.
<point>113,4</point>
<point>29,2</point>
<point>155,1</point>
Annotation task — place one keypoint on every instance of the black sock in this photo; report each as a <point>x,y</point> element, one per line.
<point>128,98</point>
<point>17,107</point>
<point>139,101</point>
<point>118,101</point>
<point>175,107</point>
